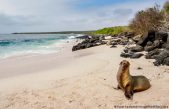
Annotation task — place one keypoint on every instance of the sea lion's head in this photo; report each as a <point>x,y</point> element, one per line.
<point>124,64</point>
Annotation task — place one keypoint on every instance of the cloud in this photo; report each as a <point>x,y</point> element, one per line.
<point>62,15</point>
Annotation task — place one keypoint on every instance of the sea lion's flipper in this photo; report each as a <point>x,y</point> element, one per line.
<point>128,92</point>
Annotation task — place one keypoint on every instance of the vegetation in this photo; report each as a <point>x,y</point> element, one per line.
<point>165,10</point>
<point>112,30</point>
<point>145,20</point>
<point>166,7</point>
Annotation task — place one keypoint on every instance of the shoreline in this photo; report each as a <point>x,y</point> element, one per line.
<point>6,64</point>
<point>84,79</point>
<point>63,44</point>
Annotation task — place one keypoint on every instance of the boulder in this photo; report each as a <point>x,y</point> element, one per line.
<point>137,48</point>
<point>78,46</point>
<point>143,40</point>
<point>137,38</point>
<point>131,55</point>
<point>149,48</point>
<point>149,43</point>
<point>159,59</point>
<point>161,36</point>
<point>152,54</point>
<point>136,55</point>
<point>166,61</point>
<point>148,36</point>
<point>126,55</point>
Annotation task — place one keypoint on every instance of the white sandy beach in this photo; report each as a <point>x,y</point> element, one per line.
<point>76,80</point>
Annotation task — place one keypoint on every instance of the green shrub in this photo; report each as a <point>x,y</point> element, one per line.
<point>112,30</point>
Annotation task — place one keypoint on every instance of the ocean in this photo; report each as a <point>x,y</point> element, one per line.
<point>21,44</point>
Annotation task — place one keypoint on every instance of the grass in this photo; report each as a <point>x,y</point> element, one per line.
<point>112,30</point>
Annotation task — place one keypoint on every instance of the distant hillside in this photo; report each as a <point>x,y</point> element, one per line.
<point>62,32</point>
<point>112,30</point>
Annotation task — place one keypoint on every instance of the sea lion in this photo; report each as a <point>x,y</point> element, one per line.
<point>130,84</point>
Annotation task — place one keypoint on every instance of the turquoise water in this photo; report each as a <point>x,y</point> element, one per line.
<point>19,44</point>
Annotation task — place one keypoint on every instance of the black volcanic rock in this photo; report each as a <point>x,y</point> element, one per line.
<point>149,43</point>
<point>83,37</point>
<point>166,61</point>
<point>161,36</point>
<point>152,54</point>
<point>126,55</point>
<point>88,42</point>
<point>136,55</point>
<point>137,48</point>
<point>149,48</point>
<point>148,36</point>
<point>129,54</point>
<point>155,43</point>
<point>159,59</point>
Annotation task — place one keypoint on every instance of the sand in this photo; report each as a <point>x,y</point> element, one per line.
<point>77,80</point>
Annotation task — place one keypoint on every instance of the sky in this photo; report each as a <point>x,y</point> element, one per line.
<point>67,15</point>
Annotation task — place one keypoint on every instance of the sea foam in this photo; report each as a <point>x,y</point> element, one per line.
<point>21,44</point>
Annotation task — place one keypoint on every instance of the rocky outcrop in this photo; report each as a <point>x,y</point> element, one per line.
<point>156,44</point>
<point>91,41</point>
<point>88,42</point>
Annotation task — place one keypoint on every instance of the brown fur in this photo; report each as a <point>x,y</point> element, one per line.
<point>130,84</point>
